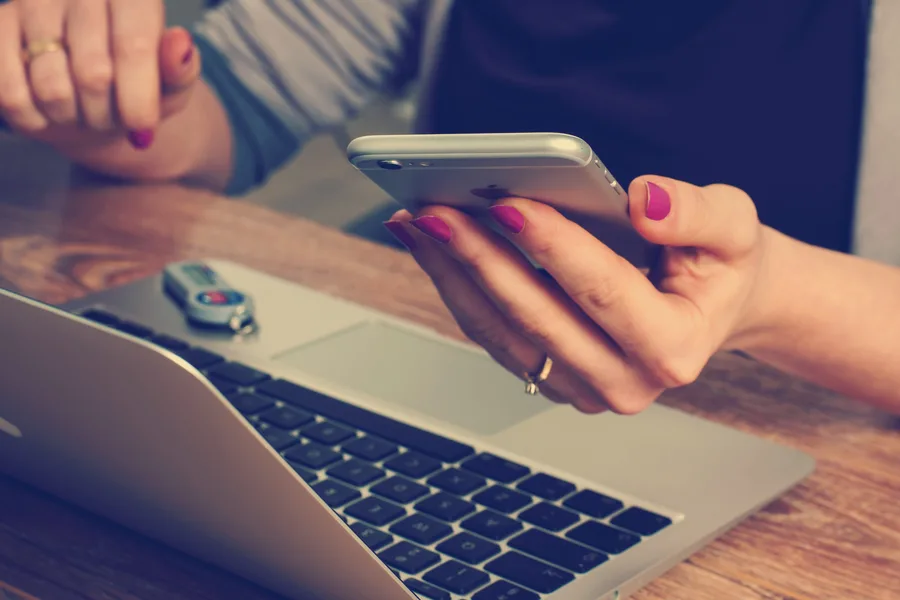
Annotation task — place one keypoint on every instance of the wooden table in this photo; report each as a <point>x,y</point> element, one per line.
<point>837,536</point>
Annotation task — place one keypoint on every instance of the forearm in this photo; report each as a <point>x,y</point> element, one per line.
<point>833,319</point>
<point>194,146</point>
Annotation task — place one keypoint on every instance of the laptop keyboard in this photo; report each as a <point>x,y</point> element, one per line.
<point>451,521</point>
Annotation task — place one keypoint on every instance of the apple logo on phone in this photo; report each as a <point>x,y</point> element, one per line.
<point>9,429</point>
<point>491,192</point>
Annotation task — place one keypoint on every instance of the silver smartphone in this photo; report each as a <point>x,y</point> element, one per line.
<point>472,171</point>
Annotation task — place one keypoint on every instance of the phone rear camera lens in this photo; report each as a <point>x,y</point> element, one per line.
<point>390,165</point>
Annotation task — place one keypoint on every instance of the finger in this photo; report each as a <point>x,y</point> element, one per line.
<point>43,22</point>
<point>179,61</point>
<point>719,219</point>
<point>17,106</point>
<point>87,33</point>
<point>541,312</point>
<point>480,320</point>
<point>645,323</point>
<point>136,31</point>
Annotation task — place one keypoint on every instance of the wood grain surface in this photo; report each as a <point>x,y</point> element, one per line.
<point>836,536</point>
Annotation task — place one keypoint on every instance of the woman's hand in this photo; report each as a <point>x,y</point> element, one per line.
<point>76,73</point>
<point>617,340</point>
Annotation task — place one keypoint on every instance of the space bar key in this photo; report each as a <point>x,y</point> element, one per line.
<point>433,445</point>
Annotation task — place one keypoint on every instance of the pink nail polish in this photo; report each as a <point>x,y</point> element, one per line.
<point>433,227</point>
<point>658,202</point>
<point>509,217</point>
<point>141,139</point>
<point>399,232</point>
<point>186,59</point>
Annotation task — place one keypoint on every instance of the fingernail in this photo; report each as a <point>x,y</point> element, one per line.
<point>402,235</point>
<point>510,218</point>
<point>433,227</point>
<point>658,202</point>
<point>141,139</point>
<point>188,56</point>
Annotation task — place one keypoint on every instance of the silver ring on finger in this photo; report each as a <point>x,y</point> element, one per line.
<point>533,380</point>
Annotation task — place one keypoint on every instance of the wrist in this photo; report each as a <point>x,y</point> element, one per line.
<point>766,317</point>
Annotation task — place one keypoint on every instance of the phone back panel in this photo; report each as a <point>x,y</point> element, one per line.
<point>473,173</point>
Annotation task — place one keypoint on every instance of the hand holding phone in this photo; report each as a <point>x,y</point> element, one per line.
<point>472,171</point>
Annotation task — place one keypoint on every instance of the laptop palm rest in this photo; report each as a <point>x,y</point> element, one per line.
<point>418,372</point>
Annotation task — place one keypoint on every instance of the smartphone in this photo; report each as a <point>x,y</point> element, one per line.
<point>472,171</point>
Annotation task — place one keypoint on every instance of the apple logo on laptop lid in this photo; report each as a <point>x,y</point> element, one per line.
<point>9,429</point>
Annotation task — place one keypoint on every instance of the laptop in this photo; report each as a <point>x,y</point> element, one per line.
<point>339,453</point>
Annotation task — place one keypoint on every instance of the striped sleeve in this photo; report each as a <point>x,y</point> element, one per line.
<point>286,70</point>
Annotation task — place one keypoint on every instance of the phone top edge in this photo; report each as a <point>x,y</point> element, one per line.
<point>475,145</point>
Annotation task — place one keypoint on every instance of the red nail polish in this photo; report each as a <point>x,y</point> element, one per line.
<point>142,139</point>
<point>402,235</point>
<point>509,217</point>
<point>658,202</point>
<point>186,59</point>
<point>433,227</point>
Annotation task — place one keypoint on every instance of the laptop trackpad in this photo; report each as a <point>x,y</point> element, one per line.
<point>396,365</point>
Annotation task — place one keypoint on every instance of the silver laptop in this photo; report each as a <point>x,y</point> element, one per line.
<point>340,453</point>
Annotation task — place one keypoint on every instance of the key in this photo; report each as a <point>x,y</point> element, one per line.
<point>375,511</point>
<point>641,521</point>
<point>557,551</point>
<point>529,573</point>
<point>445,507</point>
<point>496,468</point>
<point>469,548</point>
<point>456,577</point>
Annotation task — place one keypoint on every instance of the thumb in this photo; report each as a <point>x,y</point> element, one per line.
<point>179,61</point>
<point>718,218</point>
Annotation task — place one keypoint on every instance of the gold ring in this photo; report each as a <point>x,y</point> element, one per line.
<point>533,379</point>
<point>35,49</point>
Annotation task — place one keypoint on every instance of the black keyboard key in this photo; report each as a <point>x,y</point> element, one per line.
<point>593,504</point>
<point>312,455</point>
<point>413,464</point>
<point>335,494</point>
<point>200,358</point>
<point>469,548</point>
<point>249,403</point>
<point>408,558</point>
<point>307,475</point>
<point>428,443</point>
<point>546,487</point>
<point>426,591</point>
<point>278,438</point>
<point>239,374</point>
<point>491,525</point>
<point>457,481</point>
<point>286,417</point>
<point>226,387</point>
<point>376,511</point>
<point>641,521</point>
<point>549,516</point>
<point>445,507</point>
<point>399,489</point>
<point>421,529</point>
<point>557,551</point>
<point>456,577</point>
<point>135,329</point>
<point>370,448</point>
<point>504,590</point>
<point>169,343</point>
<point>603,537</point>
<point>101,317</point>
<point>529,572</point>
<point>496,468</point>
<point>502,499</point>
<point>371,537</point>
<point>356,472</point>
<point>327,433</point>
